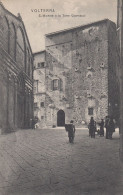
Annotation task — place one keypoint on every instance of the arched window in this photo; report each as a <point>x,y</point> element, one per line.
<point>20,48</point>
<point>13,41</point>
<point>31,68</point>
<point>5,34</point>
<point>28,62</point>
<point>27,56</point>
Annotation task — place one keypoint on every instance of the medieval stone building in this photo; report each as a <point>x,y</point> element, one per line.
<point>40,88</point>
<point>16,73</point>
<point>80,74</point>
<point>120,67</point>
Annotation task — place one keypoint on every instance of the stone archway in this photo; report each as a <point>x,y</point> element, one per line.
<point>60,118</point>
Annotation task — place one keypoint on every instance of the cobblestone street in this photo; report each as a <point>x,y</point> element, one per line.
<point>39,162</point>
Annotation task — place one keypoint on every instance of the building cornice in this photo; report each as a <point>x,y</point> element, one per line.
<point>77,27</point>
<point>39,52</point>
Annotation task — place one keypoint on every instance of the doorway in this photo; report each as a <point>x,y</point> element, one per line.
<point>60,118</point>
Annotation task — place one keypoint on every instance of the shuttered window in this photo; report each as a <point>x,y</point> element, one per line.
<point>57,84</point>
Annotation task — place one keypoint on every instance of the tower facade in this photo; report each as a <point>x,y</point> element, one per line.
<point>80,74</point>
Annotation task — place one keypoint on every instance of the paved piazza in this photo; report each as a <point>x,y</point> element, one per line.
<point>39,162</point>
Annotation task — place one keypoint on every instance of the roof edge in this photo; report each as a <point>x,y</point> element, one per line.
<point>20,20</point>
<point>38,52</point>
<point>17,17</point>
<point>80,26</point>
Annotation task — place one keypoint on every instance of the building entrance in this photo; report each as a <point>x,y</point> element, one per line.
<point>60,118</point>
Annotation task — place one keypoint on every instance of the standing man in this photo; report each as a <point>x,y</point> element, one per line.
<point>71,131</point>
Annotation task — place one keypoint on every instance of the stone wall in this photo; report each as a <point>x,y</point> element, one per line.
<point>120,68</point>
<point>79,59</point>
<point>90,80</point>
<point>39,88</point>
<point>16,110</point>
<point>113,84</point>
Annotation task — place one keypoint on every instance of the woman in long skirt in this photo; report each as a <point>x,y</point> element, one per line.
<point>92,127</point>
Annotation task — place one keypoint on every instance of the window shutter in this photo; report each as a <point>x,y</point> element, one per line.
<point>52,85</point>
<point>60,85</point>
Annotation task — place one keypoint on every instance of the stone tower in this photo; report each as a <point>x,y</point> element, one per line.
<point>120,66</point>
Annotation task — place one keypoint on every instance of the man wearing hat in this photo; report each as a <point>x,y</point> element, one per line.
<point>71,131</point>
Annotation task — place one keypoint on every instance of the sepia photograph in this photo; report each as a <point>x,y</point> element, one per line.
<point>61,97</point>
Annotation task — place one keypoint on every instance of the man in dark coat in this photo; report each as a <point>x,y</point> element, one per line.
<point>70,128</point>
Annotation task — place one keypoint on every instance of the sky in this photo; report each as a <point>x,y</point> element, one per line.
<point>37,27</point>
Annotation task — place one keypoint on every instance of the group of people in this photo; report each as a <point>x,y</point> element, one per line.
<point>33,122</point>
<point>109,124</point>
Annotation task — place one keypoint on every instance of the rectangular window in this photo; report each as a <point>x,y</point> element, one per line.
<point>34,89</point>
<point>42,104</point>
<point>42,117</point>
<point>42,64</point>
<point>90,111</point>
<point>39,64</point>
<point>55,84</point>
<point>36,86</point>
<point>35,105</point>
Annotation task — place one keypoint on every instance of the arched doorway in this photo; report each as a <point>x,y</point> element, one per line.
<point>60,118</point>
